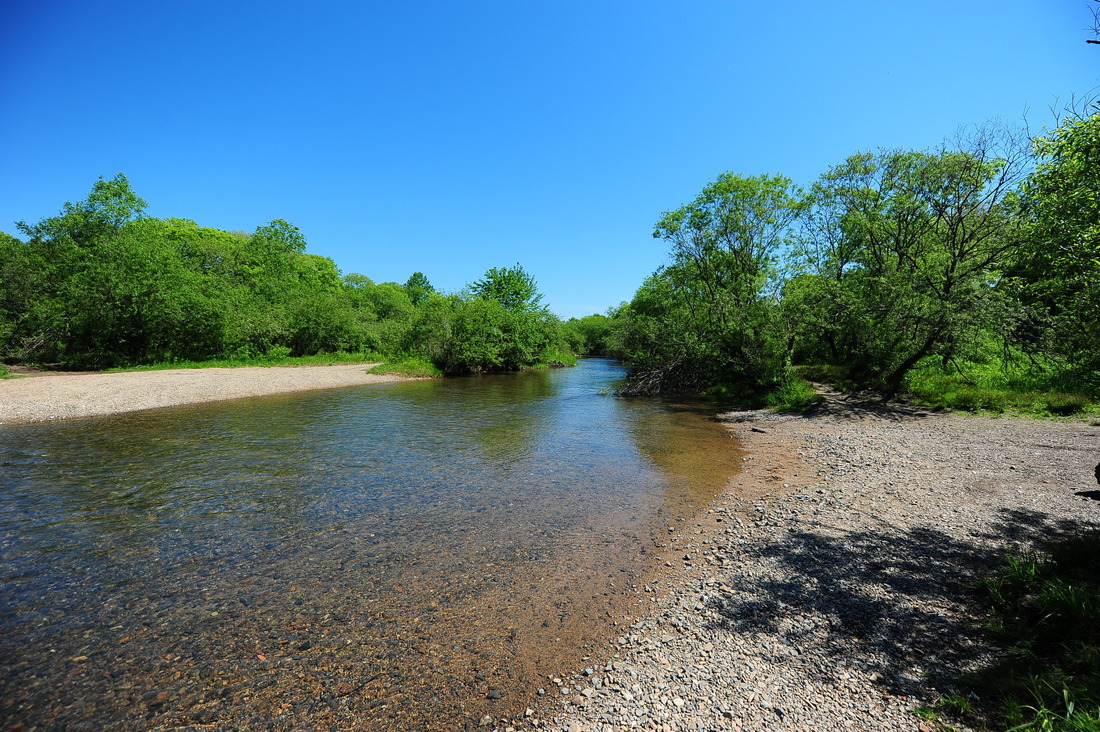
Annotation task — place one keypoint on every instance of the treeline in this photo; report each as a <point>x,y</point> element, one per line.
<point>984,251</point>
<point>102,285</point>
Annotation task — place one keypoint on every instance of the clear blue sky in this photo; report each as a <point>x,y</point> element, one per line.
<point>451,137</point>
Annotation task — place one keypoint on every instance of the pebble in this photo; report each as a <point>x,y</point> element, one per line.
<point>840,601</point>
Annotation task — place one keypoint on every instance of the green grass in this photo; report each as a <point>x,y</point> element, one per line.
<point>413,366</point>
<point>838,376</point>
<point>557,359</point>
<point>4,373</point>
<point>1045,613</point>
<point>277,359</point>
<point>990,387</point>
<point>795,394</point>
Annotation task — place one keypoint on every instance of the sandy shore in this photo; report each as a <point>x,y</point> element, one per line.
<point>47,396</point>
<point>832,585</point>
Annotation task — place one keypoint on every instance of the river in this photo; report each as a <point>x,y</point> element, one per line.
<point>398,556</point>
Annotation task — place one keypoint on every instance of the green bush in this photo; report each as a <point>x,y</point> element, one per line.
<point>1066,404</point>
<point>413,366</point>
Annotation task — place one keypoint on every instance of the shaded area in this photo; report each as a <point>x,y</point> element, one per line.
<point>899,603</point>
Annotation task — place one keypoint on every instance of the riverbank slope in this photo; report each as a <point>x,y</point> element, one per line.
<point>48,396</point>
<point>832,586</point>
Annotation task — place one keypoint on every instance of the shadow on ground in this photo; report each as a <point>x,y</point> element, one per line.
<point>901,603</point>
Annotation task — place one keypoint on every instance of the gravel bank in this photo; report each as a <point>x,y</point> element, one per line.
<point>44,397</point>
<point>828,589</point>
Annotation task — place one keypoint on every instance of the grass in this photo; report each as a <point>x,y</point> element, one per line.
<point>413,366</point>
<point>5,373</point>
<point>277,359</point>
<point>1045,613</point>
<point>795,394</point>
<point>992,387</point>
<point>557,359</point>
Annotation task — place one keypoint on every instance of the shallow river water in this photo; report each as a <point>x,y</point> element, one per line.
<point>401,556</point>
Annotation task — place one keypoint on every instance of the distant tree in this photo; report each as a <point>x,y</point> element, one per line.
<point>512,287</point>
<point>418,288</point>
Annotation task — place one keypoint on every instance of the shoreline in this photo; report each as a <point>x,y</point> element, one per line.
<point>831,585</point>
<point>49,397</point>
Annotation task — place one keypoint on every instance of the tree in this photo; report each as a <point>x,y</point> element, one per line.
<point>1057,268</point>
<point>710,317</point>
<point>512,287</point>
<point>901,255</point>
<point>418,288</point>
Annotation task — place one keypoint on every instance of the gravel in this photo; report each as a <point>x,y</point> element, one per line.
<point>44,396</point>
<point>832,586</point>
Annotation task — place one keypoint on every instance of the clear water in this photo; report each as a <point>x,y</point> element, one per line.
<point>389,556</point>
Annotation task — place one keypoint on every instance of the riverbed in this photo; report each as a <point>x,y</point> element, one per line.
<point>407,555</point>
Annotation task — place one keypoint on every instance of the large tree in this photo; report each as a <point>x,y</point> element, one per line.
<point>710,317</point>
<point>901,254</point>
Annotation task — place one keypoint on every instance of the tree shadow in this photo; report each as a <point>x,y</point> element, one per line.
<point>899,603</point>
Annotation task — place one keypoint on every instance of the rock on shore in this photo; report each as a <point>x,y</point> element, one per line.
<point>832,585</point>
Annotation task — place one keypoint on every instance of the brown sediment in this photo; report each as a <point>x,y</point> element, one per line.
<point>45,396</point>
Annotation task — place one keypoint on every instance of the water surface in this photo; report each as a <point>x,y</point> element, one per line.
<point>389,556</point>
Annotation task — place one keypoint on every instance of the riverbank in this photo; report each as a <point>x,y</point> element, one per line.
<point>831,587</point>
<point>46,396</point>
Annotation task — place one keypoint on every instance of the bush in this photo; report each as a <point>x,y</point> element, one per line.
<point>1067,404</point>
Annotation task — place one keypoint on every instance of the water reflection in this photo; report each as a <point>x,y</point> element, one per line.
<point>386,556</point>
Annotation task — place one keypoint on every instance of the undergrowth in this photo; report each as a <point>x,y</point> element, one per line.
<point>1045,613</point>
<point>994,387</point>
<point>556,359</point>
<point>795,394</point>
<point>413,366</point>
<point>271,359</point>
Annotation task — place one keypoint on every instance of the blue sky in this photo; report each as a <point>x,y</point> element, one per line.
<point>451,137</point>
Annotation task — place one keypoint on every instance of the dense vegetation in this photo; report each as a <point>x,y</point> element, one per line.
<point>1044,612</point>
<point>977,260</point>
<point>969,275</point>
<point>102,285</point>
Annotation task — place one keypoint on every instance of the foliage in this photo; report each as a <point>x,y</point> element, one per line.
<point>710,317</point>
<point>1045,610</point>
<point>794,394</point>
<point>412,366</point>
<point>273,359</point>
<point>590,335</point>
<point>471,335</point>
<point>1057,269</point>
<point>512,287</point>
<point>100,285</point>
<point>994,385</point>
<point>418,288</point>
<point>900,257</point>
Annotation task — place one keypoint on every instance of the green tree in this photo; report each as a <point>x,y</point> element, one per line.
<point>901,258</point>
<point>418,288</point>
<point>710,317</point>
<point>1057,268</point>
<point>512,287</point>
